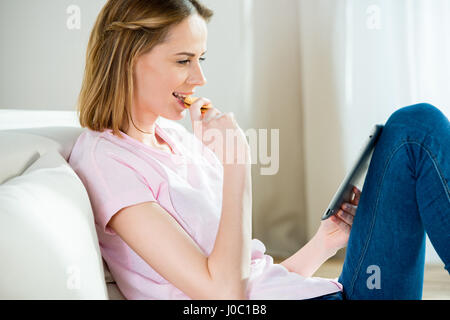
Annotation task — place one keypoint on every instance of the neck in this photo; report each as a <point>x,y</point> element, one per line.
<point>143,132</point>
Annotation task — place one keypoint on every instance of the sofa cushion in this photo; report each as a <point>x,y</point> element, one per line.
<point>22,147</point>
<point>48,242</point>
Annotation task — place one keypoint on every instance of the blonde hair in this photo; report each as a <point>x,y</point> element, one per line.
<point>123,31</point>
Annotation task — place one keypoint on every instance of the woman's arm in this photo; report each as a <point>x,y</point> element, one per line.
<point>158,239</point>
<point>229,262</point>
<point>309,258</point>
<point>332,235</point>
<point>151,232</point>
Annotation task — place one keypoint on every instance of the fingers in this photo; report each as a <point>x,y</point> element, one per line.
<point>211,114</point>
<point>341,223</point>
<point>349,208</point>
<point>357,194</point>
<point>195,111</point>
<point>347,213</point>
<point>346,217</point>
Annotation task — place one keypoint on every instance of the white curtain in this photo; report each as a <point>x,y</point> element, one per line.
<point>360,61</point>
<point>322,72</point>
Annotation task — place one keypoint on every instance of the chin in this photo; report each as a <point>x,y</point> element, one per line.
<point>181,115</point>
<point>175,116</point>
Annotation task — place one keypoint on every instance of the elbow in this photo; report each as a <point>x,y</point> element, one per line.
<point>228,285</point>
<point>235,292</point>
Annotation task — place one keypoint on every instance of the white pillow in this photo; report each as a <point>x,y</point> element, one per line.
<point>48,242</point>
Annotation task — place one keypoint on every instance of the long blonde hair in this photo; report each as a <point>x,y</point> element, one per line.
<point>123,31</point>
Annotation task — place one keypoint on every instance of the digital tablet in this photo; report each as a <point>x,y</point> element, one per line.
<point>360,167</point>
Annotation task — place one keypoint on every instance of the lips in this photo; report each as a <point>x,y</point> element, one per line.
<point>180,97</point>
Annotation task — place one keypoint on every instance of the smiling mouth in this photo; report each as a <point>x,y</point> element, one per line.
<point>179,96</point>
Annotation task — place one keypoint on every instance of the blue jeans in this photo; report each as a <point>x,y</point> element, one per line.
<point>405,194</point>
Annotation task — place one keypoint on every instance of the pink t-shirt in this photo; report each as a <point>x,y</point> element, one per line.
<point>188,183</point>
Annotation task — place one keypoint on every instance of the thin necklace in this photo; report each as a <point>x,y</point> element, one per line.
<point>138,128</point>
<point>144,131</point>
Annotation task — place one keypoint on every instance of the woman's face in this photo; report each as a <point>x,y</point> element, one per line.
<point>170,67</point>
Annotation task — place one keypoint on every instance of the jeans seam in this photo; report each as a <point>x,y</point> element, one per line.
<point>374,214</point>
<point>436,167</point>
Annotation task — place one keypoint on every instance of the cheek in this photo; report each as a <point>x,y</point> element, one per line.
<point>156,84</point>
<point>150,88</point>
<point>163,82</point>
<point>144,83</point>
<point>151,80</point>
<point>176,79</point>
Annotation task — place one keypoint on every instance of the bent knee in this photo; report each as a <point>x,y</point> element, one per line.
<point>423,113</point>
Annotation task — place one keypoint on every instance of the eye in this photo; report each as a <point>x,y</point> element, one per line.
<point>184,62</point>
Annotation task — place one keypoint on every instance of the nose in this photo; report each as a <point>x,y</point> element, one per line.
<point>196,76</point>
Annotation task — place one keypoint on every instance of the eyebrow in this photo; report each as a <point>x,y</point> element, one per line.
<point>188,54</point>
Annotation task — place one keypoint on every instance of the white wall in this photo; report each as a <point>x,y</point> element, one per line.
<point>41,59</point>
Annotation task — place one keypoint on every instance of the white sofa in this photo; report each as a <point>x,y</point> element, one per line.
<point>48,244</point>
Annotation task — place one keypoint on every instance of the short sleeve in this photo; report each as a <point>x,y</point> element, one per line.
<point>116,183</point>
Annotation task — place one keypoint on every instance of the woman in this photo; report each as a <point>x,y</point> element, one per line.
<point>173,210</point>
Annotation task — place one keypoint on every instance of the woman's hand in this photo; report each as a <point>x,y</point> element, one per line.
<point>334,231</point>
<point>212,128</point>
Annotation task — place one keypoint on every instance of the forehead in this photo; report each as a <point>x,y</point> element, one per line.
<point>189,35</point>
